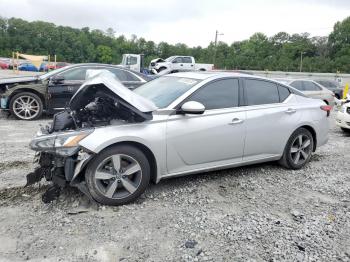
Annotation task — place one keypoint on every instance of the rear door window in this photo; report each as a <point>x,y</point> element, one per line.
<point>187,60</point>
<point>123,75</point>
<point>260,92</point>
<point>297,85</point>
<point>310,86</point>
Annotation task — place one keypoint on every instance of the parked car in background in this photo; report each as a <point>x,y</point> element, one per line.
<point>44,67</point>
<point>59,65</point>
<point>175,125</point>
<point>175,64</point>
<point>4,65</point>
<point>28,67</point>
<point>343,116</point>
<point>28,97</point>
<point>311,89</point>
<point>334,86</point>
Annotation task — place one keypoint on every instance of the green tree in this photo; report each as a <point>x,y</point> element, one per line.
<point>104,54</point>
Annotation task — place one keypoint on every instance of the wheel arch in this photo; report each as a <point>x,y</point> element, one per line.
<point>29,90</point>
<point>148,153</point>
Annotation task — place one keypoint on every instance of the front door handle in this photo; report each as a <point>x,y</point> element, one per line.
<point>290,111</point>
<point>236,121</point>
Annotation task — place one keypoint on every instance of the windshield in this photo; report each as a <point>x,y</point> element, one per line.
<point>165,90</point>
<point>169,59</point>
<point>51,73</point>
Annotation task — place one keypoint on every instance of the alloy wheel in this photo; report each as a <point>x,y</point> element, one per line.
<point>301,149</point>
<point>118,176</point>
<point>26,107</point>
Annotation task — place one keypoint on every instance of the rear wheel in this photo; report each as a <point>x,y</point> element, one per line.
<point>118,175</point>
<point>26,106</point>
<point>298,150</point>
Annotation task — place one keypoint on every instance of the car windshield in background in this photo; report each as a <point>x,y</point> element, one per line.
<point>51,73</point>
<point>163,91</point>
<point>328,84</point>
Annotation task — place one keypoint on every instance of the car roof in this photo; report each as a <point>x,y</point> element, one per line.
<point>214,74</point>
<point>145,77</point>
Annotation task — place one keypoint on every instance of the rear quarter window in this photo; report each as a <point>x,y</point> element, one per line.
<point>283,92</point>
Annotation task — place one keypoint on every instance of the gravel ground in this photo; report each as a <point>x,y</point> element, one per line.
<point>256,213</point>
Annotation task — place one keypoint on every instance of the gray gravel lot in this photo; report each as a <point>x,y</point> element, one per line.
<point>256,213</point>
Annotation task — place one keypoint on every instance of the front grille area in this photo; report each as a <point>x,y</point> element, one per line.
<point>348,110</point>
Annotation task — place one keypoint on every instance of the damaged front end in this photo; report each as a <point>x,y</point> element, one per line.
<point>101,101</point>
<point>60,159</point>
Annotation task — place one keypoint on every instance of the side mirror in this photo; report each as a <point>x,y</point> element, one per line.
<point>192,107</point>
<point>56,79</point>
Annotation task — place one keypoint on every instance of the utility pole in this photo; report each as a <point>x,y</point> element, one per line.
<point>215,45</point>
<point>301,60</point>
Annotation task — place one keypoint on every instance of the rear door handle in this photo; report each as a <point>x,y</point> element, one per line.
<point>236,121</point>
<point>290,111</point>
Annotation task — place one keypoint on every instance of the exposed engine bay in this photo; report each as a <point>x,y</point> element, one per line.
<point>99,107</point>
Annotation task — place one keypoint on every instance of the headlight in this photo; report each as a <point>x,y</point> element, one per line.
<point>70,140</point>
<point>54,142</point>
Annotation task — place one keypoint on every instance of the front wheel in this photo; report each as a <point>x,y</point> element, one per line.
<point>118,175</point>
<point>26,106</point>
<point>298,150</point>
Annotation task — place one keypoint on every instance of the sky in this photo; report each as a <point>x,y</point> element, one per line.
<point>192,22</point>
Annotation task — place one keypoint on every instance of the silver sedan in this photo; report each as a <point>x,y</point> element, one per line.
<point>112,142</point>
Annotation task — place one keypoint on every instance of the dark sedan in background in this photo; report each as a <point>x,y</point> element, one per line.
<point>27,98</point>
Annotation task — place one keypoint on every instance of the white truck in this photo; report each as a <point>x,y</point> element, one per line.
<point>134,62</point>
<point>175,64</point>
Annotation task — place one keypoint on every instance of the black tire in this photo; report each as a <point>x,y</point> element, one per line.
<point>99,187</point>
<point>345,130</point>
<point>289,159</point>
<point>26,96</point>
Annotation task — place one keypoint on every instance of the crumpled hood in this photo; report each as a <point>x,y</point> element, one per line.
<point>106,78</point>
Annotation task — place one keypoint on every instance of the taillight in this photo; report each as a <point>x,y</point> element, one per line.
<point>327,108</point>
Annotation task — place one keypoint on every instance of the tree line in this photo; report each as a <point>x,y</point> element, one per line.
<point>280,52</point>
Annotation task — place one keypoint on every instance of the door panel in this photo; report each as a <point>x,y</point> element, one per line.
<point>60,94</point>
<point>197,141</point>
<point>269,128</point>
